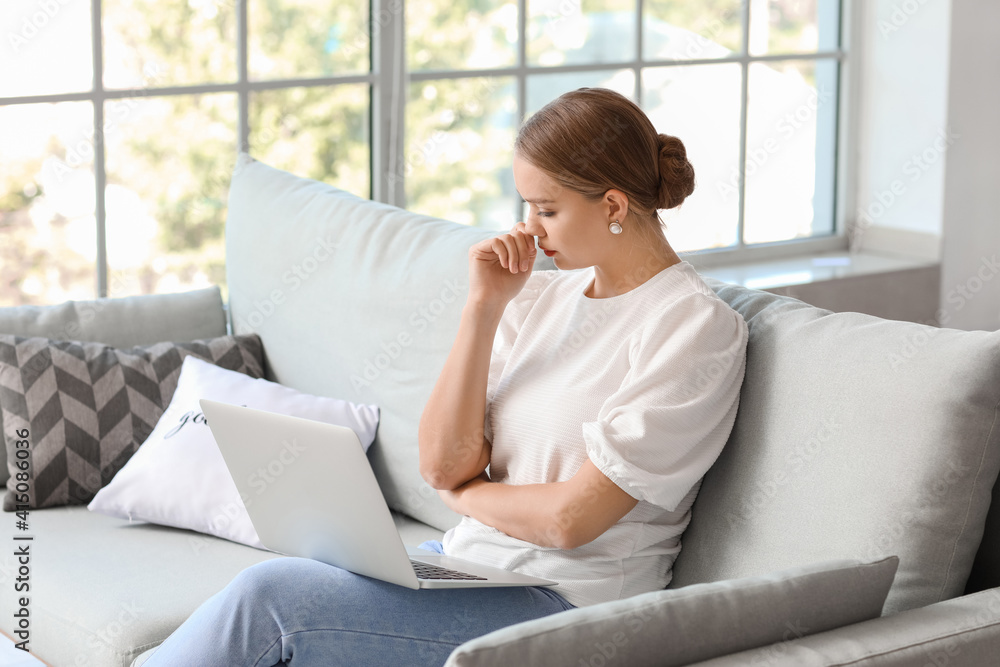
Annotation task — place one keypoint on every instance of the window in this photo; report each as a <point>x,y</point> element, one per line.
<point>416,104</point>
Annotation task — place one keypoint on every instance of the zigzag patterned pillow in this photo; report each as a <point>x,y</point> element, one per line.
<point>75,412</point>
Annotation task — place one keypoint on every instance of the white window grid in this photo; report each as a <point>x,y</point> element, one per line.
<point>389,79</point>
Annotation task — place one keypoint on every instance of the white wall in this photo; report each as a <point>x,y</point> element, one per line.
<point>928,145</point>
<point>902,107</point>
<point>970,274</point>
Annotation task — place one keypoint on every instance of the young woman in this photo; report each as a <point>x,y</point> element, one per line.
<point>598,395</point>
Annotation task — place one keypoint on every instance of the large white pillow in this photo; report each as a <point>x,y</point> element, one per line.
<point>178,477</point>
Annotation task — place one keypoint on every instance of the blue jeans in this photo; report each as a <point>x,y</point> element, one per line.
<point>299,612</point>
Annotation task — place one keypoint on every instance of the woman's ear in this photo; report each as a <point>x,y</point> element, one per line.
<point>616,203</point>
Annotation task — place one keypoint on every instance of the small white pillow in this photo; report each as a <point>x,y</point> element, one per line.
<point>178,476</point>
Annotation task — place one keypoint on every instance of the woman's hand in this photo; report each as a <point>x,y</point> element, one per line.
<point>495,266</point>
<point>453,498</point>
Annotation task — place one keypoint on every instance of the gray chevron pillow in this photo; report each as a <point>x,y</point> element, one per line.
<point>75,412</point>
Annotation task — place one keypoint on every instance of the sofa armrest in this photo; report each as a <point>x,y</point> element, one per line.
<point>961,632</point>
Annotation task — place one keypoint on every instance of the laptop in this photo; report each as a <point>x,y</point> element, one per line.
<point>310,492</point>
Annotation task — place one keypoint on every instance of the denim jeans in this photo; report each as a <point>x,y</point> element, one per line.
<point>300,612</point>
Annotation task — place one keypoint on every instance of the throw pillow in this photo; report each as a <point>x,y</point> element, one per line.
<point>179,478</point>
<point>123,321</point>
<point>687,625</point>
<point>75,412</point>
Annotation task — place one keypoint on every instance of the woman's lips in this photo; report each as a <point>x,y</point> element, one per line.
<point>548,253</point>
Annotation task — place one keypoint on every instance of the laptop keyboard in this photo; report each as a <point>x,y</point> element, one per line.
<point>428,571</point>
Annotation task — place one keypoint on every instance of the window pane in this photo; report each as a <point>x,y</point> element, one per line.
<point>700,104</point>
<point>47,219</point>
<point>543,88</point>
<point>459,148</point>
<point>307,38</point>
<point>319,133</point>
<point>157,43</point>
<point>793,26</point>
<point>685,30</point>
<point>169,161</point>
<point>468,34</point>
<point>791,131</point>
<point>46,48</point>
<point>565,32</point>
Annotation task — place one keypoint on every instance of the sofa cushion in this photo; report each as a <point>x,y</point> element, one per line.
<point>374,293</point>
<point>855,437</point>
<point>119,322</point>
<point>178,476</point>
<point>112,589</point>
<point>77,411</point>
<point>678,627</point>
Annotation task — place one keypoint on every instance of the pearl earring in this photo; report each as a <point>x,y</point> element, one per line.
<point>615,227</point>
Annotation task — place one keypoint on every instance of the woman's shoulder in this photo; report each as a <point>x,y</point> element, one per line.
<point>689,309</point>
<point>691,289</point>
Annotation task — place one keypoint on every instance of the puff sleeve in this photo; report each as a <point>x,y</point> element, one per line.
<point>658,434</point>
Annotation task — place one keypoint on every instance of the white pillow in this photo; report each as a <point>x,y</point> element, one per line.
<point>178,477</point>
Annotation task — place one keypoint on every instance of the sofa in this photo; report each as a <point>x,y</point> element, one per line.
<point>858,440</point>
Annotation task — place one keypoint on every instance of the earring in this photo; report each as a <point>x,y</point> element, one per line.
<point>615,227</point>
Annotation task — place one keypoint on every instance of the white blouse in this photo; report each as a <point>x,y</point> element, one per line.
<point>646,384</point>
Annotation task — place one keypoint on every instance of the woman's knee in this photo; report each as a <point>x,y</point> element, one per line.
<point>274,576</point>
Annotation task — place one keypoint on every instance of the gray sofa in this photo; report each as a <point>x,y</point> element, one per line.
<point>856,438</point>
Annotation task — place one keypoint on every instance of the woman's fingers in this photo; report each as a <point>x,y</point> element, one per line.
<point>524,244</point>
<point>508,253</point>
<point>515,250</point>
<point>499,246</point>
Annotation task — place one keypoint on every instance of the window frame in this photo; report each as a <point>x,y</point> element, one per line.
<point>389,80</point>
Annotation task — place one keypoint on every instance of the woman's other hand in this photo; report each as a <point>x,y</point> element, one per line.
<point>499,266</point>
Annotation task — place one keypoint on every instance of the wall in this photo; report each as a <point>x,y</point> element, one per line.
<point>970,273</point>
<point>902,102</point>
<point>928,151</point>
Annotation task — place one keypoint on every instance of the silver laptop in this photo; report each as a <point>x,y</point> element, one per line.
<point>310,492</point>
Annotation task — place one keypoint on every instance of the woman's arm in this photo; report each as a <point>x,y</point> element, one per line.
<point>453,448</point>
<point>564,515</point>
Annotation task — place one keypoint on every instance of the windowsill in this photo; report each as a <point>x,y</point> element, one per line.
<point>811,268</point>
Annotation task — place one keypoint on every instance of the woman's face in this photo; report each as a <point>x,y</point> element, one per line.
<point>563,220</point>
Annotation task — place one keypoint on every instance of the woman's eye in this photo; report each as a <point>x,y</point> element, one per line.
<point>545,214</point>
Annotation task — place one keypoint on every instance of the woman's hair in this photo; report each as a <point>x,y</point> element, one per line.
<point>592,140</point>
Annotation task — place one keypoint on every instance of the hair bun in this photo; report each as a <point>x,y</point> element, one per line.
<point>676,173</point>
